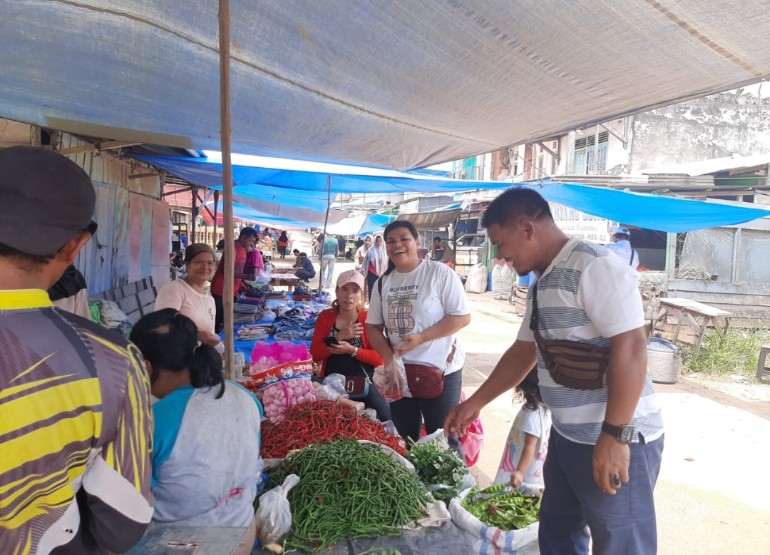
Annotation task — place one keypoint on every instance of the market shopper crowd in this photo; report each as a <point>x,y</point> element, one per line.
<point>89,461</point>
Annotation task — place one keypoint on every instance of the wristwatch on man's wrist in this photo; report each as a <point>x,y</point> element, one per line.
<point>624,434</point>
<point>354,354</point>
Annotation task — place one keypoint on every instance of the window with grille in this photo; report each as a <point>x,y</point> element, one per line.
<point>588,158</point>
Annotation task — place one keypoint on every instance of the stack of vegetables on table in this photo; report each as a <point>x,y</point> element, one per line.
<point>502,507</point>
<point>348,489</point>
<point>439,468</point>
<point>321,422</point>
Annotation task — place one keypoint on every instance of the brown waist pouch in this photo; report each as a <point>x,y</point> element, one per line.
<point>570,363</point>
<point>574,365</point>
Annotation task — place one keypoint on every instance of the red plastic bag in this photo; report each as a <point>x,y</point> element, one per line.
<point>472,440</point>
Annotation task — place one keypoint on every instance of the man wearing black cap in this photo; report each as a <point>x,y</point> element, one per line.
<point>75,420</point>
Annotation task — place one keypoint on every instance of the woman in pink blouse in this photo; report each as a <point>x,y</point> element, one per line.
<point>190,296</point>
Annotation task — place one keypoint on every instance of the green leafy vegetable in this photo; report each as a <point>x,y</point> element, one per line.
<point>499,507</point>
<point>437,466</point>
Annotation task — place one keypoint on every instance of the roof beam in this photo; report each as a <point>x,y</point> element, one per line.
<point>549,151</point>
<point>107,145</point>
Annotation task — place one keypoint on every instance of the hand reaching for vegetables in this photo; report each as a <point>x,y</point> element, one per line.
<point>517,477</point>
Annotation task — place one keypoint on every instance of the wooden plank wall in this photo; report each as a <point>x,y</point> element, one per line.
<point>129,242</point>
<point>748,302</point>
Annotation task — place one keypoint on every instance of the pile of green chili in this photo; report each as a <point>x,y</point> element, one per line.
<point>502,508</point>
<point>348,489</point>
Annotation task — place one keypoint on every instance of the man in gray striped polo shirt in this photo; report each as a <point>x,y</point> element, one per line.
<point>605,448</point>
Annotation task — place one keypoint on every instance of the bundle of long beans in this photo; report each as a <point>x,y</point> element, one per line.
<point>348,489</point>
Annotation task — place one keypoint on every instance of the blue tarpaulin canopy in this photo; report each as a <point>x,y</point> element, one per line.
<point>397,84</point>
<point>275,185</point>
<point>648,211</point>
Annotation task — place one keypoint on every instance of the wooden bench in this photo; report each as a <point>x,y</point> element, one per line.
<point>696,315</point>
<point>135,299</point>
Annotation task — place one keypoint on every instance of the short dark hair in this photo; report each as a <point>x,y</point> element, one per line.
<point>392,226</point>
<point>248,232</point>
<point>31,262</point>
<point>398,224</point>
<point>436,239</point>
<point>516,202</point>
<point>296,251</point>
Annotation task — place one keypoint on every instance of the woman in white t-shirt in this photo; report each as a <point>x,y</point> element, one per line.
<point>422,305</point>
<point>190,296</point>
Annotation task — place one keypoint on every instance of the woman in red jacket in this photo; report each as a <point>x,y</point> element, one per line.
<point>349,352</point>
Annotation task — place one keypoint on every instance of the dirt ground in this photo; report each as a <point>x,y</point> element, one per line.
<point>713,494</point>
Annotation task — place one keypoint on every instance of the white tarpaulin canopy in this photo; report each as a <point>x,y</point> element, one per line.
<point>396,84</point>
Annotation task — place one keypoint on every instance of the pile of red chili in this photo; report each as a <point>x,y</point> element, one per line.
<point>321,422</point>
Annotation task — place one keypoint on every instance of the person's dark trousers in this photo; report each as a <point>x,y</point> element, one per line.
<point>408,413</point>
<point>304,275</point>
<point>219,320</point>
<point>572,502</point>
<point>371,279</point>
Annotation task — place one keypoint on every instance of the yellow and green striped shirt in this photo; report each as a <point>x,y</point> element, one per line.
<point>75,432</point>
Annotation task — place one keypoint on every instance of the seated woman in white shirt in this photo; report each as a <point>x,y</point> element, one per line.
<point>190,296</point>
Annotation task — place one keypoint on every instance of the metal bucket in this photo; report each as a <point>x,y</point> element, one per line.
<point>663,360</point>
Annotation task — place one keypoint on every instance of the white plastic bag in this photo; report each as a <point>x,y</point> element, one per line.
<point>274,514</point>
<point>390,379</point>
<point>477,279</point>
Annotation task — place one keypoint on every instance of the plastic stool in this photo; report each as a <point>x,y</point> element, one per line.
<point>762,368</point>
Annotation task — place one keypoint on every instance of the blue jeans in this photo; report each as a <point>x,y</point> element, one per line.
<point>328,270</point>
<point>408,413</point>
<point>573,503</point>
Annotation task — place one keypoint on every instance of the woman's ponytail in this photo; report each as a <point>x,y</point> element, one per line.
<point>169,341</point>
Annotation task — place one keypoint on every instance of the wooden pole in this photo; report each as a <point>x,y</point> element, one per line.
<point>326,220</point>
<point>194,193</point>
<point>216,217</point>
<point>227,181</point>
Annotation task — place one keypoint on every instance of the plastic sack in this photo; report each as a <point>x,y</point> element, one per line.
<point>477,279</point>
<point>472,440</point>
<point>273,516</point>
<point>390,379</point>
<point>488,540</point>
